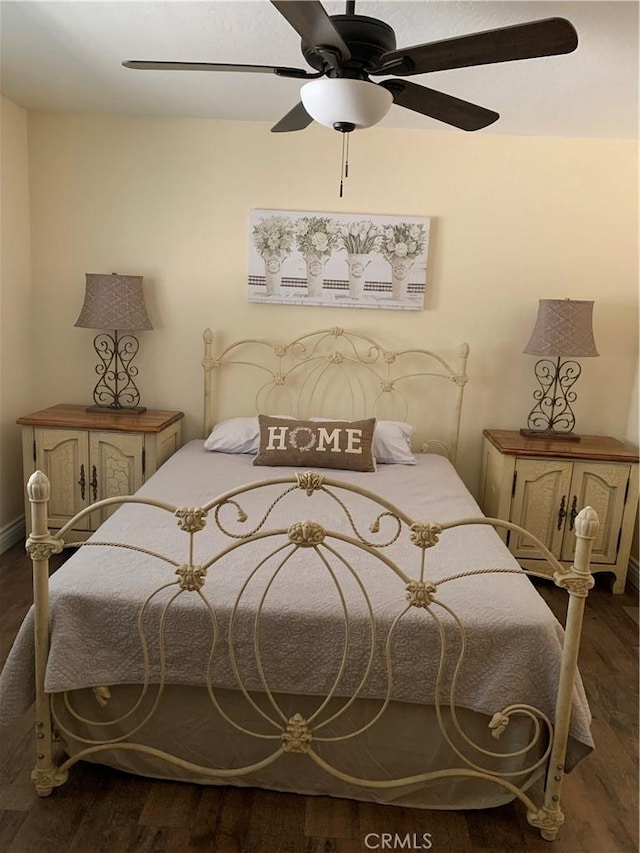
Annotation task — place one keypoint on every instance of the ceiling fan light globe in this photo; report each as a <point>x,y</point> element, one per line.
<point>340,100</point>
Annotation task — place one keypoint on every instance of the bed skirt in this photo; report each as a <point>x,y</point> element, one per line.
<point>406,741</point>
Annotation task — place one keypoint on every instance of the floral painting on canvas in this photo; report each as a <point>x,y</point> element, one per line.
<point>352,260</point>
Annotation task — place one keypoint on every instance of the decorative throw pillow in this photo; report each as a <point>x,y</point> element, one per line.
<point>391,439</point>
<point>345,445</point>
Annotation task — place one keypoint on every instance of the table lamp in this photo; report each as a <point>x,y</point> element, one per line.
<point>563,330</point>
<point>115,302</point>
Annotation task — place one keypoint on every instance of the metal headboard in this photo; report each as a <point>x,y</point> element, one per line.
<point>338,373</point>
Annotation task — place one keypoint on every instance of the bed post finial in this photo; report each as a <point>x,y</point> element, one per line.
<point>40,543</point>
<point>587,523</point>
<point>38,487</point>
<point>578,580</point>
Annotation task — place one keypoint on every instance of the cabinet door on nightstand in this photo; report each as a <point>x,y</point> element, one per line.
<point>63,455</point>
<point>116,468</point>
<point>540,504</point>
<point>603,486</point>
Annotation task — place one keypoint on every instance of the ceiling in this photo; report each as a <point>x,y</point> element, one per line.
<point>66,56</point>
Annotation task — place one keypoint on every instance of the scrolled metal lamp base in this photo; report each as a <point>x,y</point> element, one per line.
<point>552,416</point>
<point>115,391</point>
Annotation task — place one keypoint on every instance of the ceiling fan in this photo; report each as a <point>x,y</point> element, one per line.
<point>347,50</point>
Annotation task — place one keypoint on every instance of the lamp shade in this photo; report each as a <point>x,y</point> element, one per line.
<point>564,327</point>
<point>333,100</point>
<point>114,302</point>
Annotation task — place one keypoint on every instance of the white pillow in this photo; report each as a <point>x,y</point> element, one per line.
<point>391,439</point>
<point>236,435</point>
<point>392,443</point>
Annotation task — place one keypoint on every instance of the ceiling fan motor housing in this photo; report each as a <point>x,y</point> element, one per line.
<point>366,38</point>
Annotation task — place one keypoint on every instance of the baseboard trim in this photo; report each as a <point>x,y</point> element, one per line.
<point>11,533</point>
<point>633,575</point>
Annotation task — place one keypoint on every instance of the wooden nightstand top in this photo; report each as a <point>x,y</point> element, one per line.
<point>66,415</point>
<point>596,447</point>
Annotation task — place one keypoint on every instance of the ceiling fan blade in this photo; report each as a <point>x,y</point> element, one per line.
<point>296,119</point>
<point>440,106</point>
<point>312,23</point>
<point>548,37</point>
<point>280,71</point>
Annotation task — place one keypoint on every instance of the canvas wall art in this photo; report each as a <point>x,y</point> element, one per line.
<point>350,260</point>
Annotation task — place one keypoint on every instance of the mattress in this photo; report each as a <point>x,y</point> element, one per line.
<point>513,641</point>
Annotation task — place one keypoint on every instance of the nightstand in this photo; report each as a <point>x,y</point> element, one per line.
<point>542,484</point>
<point>88,456</point>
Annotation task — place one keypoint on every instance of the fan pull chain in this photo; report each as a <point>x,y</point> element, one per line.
<point>344,165</point>
<point>346,158</point>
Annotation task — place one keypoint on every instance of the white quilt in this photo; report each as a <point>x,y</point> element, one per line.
<point>513,640</point>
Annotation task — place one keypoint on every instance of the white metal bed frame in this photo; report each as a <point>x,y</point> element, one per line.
<point>295,734</point>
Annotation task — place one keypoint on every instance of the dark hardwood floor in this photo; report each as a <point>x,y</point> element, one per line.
<point>104,810</point>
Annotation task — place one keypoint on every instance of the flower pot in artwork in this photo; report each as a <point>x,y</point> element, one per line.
<point>357,263</point>
<point>273,272</point>
<point>400,268</point>
<point>315,273</point>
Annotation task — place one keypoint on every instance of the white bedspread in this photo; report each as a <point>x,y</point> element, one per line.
<point>514,641</point>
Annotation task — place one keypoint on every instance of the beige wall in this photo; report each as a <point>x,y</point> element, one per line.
<point>15,306</point>
<point>513,220</point>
